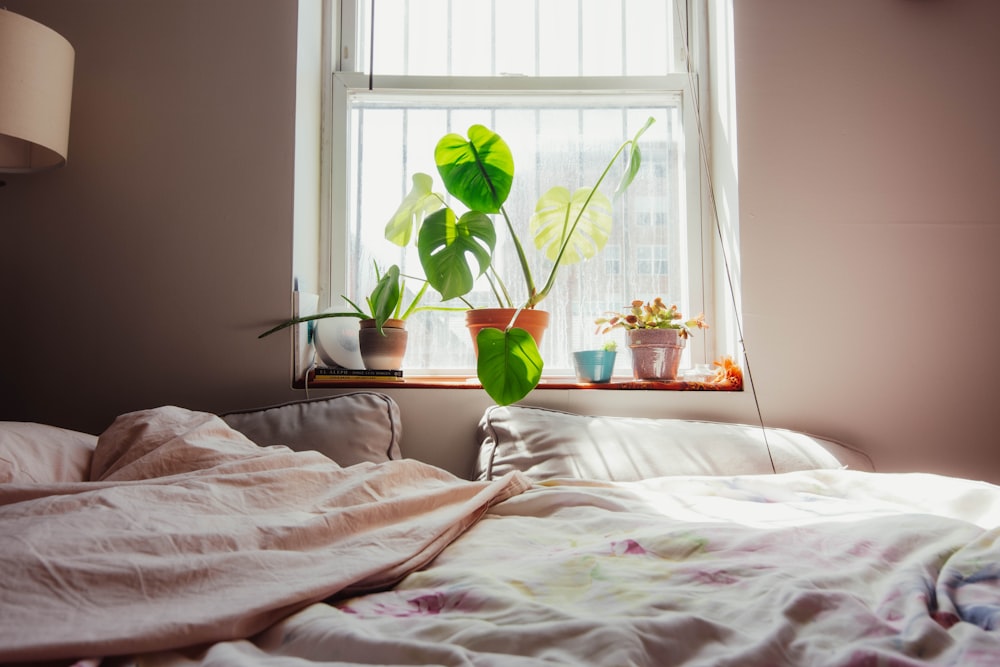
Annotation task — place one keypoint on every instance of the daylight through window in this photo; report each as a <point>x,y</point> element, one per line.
<point>564,82</point>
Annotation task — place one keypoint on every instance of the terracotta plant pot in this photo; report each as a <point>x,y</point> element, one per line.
<point>533,321</point>
<point>656,353</point>
<point>594,365</point>
<point>382,352</point>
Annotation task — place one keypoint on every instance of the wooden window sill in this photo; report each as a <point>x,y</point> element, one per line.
<point>442,382</point>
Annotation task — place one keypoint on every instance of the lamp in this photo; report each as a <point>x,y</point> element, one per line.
<point>36,86</point>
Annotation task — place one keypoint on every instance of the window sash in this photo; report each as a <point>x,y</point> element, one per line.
<point>348,51</point>
<point>642,90</point>
<point>564,37</point>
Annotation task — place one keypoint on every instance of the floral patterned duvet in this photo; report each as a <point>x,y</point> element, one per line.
<point>808,568</point>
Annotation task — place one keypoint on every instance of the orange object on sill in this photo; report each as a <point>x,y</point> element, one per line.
<point>728,372</point>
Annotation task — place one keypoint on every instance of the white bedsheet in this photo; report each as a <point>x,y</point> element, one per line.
<point>193,546</point>
<point>808,568</point>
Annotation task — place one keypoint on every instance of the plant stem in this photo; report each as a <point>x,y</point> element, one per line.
<point>499,288</point>
<point>523,259</point>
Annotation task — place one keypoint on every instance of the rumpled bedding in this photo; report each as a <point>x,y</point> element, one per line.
<point>190,534</point>
<point>818,568</point>
<point>195,547</point>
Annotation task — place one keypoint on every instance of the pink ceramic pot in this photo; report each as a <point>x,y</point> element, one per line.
<point>656,353</point>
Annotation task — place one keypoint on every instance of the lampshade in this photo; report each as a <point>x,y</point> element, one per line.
<point>36,86</point>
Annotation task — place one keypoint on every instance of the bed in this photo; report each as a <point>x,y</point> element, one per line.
<point>298,535</point>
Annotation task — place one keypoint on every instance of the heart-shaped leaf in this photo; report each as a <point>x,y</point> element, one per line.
<point>509,364</point>
<point>478,171</point>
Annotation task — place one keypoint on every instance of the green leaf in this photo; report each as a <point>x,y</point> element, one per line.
<point>553,219</point>
<point>385,297</point>
<point>509,364</point>
<point>634,160</point>
<point>359,314</point>
<point>479,172</point>
<point>420,201</point>
<point>445,245</point>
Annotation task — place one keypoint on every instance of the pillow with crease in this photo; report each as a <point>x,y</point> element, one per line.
<point>361,426</point>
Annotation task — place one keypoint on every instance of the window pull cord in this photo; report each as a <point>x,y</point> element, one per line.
<point>703,148</point>
<point>371,51</point>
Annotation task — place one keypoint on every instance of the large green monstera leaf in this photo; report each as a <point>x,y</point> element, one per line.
<point>509,364</point>
<point>555,214</point>
<point>478,171</point>
<point>445,244</point>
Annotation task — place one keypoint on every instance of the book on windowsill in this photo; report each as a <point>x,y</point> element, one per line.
<point>329,374</point>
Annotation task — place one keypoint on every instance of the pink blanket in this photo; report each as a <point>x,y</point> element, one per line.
<point>189,533</point>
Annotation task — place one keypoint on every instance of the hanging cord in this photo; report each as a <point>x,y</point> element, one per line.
<point>371,50</point>
<point>703,148</point>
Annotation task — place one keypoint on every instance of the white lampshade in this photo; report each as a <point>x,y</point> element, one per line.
<point>36,86</point>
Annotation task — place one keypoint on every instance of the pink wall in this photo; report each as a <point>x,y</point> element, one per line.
<point>870,217</point>
<point>141,273</point>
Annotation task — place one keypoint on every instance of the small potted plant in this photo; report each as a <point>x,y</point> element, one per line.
<point>596,366</point>
<point>455,250</point>
<point>656,335</point>
<point>382,335</point>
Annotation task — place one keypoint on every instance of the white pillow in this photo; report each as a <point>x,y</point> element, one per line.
<point>350,428</point>
<point>37,453</point>
<point>547,444</point>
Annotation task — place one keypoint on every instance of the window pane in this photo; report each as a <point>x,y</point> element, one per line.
<point>556,140</point>
<point>525,37</point>
<point>652,43</point>
<point>510,20</point>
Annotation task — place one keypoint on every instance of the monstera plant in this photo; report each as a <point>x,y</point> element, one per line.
<point>457,249</point>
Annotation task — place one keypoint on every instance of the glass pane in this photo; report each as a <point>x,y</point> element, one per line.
<point>510,20</point>
<point>650,26</point>
<point>523,37</point>
<point>556,140</point>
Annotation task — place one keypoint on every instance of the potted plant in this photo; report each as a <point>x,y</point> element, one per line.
<point>596,366</point>
<point>656,335</point>
<point>455,250</point>
<point>382,334</point>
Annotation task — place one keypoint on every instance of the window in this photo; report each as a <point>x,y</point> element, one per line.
<point>652,260</point>
<point>559,80</point>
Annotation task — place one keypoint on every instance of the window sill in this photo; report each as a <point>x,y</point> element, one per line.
<point>441,382</point>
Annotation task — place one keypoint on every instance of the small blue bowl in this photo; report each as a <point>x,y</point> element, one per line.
<point>594,365</point>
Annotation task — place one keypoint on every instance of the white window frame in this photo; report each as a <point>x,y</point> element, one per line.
<point>341,54</point>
